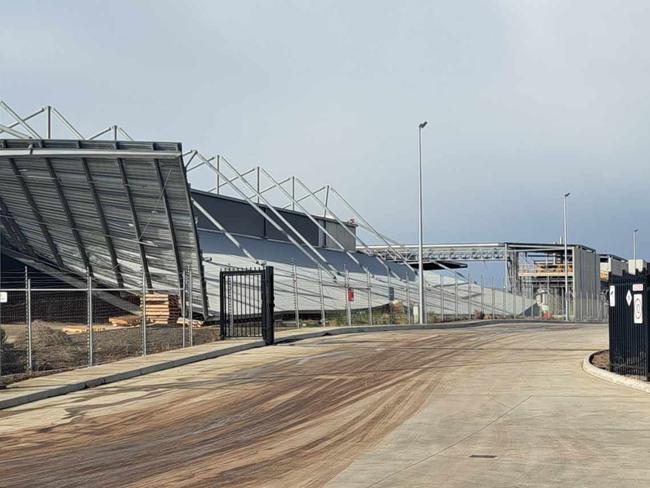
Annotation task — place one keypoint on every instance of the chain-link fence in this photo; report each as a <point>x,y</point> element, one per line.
<point>51,329</point>
<point>44,329</point>
<point>307,297</point>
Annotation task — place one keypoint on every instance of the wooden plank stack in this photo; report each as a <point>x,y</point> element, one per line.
<point>125,320</point>
<point>161,309</point>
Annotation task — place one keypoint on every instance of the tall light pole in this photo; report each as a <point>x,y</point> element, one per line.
<point>566,264</point>
<point>634,247</point>
<point>420,263</point>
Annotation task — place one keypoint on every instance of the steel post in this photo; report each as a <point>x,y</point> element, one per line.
<point>469,296</point>
<point>183,291</point>
<point>90,318</point>
<point>566,262</point>
<point>369,298</point>
<point>348,304</point>
<point>442,298</point>
<point>28,310</point>
<point>482,301</point>
<point>455,297</point>
<point>408,300</point>
<point>144,314</point>
<point>492,314</point>
<point>191,307</point>
<point>322,296</point>
<point>294,276</point>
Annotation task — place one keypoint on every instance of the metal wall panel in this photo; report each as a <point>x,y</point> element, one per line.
<point>114,208</point>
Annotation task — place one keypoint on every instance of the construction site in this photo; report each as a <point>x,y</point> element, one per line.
<point>324,244</point>
<point>109,251</point>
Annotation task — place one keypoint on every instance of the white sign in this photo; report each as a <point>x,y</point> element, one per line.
<point>637,287</point>
<point>638,308</point>
<point>628,298</point>
<point>612,296</point>
<point>3,297</point>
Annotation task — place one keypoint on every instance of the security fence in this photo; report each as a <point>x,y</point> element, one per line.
<point>311,296</point>
<point>52,329</point>
<point>629,346</point>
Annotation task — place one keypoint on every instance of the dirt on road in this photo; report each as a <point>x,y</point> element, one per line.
<point>289,415</point>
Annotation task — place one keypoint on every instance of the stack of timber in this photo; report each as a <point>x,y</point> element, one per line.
<point>161,309</point>
<point>125,320</point>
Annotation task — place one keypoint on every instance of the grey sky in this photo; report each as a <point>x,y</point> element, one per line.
<point>525,100</point>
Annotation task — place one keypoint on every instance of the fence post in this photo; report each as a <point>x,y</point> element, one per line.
<point>408,300</point>
<point>469,295</point>
<point>322,296</point>
<point>581,301</point>
<point>369,298</point>
<point>348,305</point>
<point>455,296</point>
<point>191,310</point>
<point>442,298</point>
<point>492,315</point>
<point>144,314</point>
<point>90,318</point>
<point>482,301</point>
<point>391,320</point>
<point>183,291</point>
<point>28,296</point>
<point>504,301</point>
<point>294,277</point>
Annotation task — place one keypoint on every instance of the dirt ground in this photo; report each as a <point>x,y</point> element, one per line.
<point>601,360</point>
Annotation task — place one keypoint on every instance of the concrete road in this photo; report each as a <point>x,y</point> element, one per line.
<point>493,406</point>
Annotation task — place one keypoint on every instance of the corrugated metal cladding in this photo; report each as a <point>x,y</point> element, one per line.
<point>586,282</point>
<point>115,208</point>
<point>238,217</point>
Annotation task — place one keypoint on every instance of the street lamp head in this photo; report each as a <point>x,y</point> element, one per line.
<point>566,195</point>
<point>423,125</point>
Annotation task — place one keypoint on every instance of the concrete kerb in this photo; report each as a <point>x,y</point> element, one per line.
<point>49,392</point>
<point>618,379</point>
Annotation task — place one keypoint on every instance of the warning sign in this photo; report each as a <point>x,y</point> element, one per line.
<point>612,296</point>
<point>3,297</point>
<point>628,298</point>
<point>638,308</point>
<point>637,287</point>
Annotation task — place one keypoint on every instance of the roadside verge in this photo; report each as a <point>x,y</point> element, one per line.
<point>612,377</point>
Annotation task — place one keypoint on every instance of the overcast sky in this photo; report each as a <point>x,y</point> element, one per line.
<point>525,100</point>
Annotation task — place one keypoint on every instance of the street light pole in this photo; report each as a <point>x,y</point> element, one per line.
<point>566,264</point>
<point>634,248</point>
<point>420,263</point>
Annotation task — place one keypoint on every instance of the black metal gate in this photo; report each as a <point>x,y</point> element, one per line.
<point>628,324</point>
<point>246,298</point>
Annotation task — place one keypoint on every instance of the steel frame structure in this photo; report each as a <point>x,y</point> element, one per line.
<point>23,127</point>
<point>116,197</point>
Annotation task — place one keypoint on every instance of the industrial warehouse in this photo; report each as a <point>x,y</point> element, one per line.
<point>91,225</point>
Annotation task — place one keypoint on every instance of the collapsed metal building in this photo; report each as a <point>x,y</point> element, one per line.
<point>123,213</point>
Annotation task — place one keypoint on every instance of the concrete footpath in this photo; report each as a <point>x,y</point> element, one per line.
<point>34,389</point>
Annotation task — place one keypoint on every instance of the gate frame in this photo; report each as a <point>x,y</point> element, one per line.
<point>266,294</point>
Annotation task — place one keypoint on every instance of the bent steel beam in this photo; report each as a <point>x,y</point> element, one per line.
<point>314,221</point>
<point>269,219</point>
<point>136,221</point>
<point>162,182</point>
